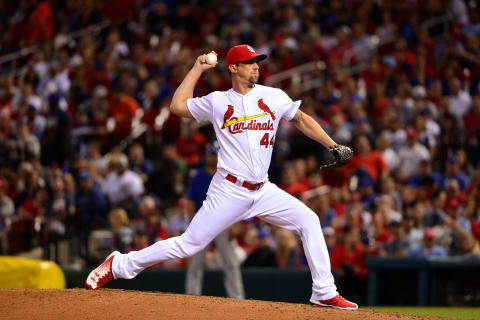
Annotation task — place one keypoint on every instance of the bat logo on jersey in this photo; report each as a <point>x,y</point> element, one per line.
<point>237,125</point>
<point>265,108</point>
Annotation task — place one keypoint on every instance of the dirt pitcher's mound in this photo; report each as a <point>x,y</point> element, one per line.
<point>74,304</point>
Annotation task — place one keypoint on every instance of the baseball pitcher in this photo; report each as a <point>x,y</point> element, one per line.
<point>245,119</point>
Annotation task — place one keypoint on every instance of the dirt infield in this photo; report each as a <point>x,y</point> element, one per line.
<point>74,304</point>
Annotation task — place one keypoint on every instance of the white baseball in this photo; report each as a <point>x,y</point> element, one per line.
<point>211,58</point>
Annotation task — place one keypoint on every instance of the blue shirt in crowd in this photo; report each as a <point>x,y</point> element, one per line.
<point>198,187</point>
<point>422,252</point>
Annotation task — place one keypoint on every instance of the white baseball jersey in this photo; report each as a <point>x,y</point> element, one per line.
<point>245,126</point>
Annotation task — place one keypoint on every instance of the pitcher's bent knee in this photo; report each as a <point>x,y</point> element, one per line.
<point>191,246</point>
<point>309,222</point>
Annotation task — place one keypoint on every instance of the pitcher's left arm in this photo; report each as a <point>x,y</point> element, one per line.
<point>314,130</point>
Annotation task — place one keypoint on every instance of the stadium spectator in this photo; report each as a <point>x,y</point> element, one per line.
<point>122,108</point>
<point>366,161</point>
<point>398,246</point>
<point>320,203</point>
<point>191,145</point>
<point>339,129</point>
<point>287,253</point>
<point>149,220</point>
<point>428,130</point>
<point>471,123</point>
<point>6,212</point>
<point>261,254</point>
<point>56,139</point>
<point>428,248</point>
<point>139,164</point>
<point>179,218</point>
<point>22,146</point>
<point>90,211</point>
<point>453,171</point>
<point>122,186</point>
<point>411,155</point>
<point>395,133</point>
<point>330,238</point>
<point>379,231</point>
<point>291,182</point>
<point>388,154</point>
<point>140,241</point>
<point>435,212</point>
<point>348,263</point>
<point>58,218</point>
<point>389,187</point>
<point>460,100</point>
<point>425,176</point>
<point>119,226</point>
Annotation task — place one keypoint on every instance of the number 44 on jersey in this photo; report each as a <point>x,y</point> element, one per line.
<point>265,140</point>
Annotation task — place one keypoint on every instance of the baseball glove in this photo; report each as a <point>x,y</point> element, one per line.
<point>342,155</point>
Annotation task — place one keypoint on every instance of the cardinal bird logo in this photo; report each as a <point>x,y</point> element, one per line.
<point>227,115</point>
<point>265,108</point>
<point>239,124</point>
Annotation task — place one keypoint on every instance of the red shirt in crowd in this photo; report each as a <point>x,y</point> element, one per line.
<point>42,25</point>
<point>340,256</point>
<point>296,188</point>
<point>118,10</point>
<point>191,148</point>
<point>371,161</point>
<point>379,108</point>
<point>123,109</point>
<point>476,229</point>
<point>371,77</point>
<point>384,236</point>
<point>471,122</point>
<point>340,208</point>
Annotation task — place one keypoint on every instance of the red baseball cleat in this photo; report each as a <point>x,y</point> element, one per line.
<point>337,302</point>
<point>102,274</point>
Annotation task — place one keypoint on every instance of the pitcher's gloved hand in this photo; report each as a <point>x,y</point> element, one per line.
<point>342,155</point>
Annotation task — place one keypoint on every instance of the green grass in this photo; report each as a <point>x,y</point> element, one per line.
<point>448,312</point>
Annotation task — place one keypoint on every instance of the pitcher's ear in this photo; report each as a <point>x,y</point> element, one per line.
<point>233,68</point>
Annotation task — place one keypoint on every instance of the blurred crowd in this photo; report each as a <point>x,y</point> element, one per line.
<point>75,178</point>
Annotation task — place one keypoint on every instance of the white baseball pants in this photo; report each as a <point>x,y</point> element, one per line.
<point>226,204</point>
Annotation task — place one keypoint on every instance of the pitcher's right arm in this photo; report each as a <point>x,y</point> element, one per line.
<point>185,90</point>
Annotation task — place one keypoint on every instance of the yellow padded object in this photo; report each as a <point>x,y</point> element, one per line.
<point>27,273</point>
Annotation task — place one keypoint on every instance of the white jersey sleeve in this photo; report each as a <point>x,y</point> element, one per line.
<point>289,107</point>
<point>201,108</point>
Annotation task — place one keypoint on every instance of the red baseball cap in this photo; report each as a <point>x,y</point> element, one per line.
<point>428,233</point>
<point>412,134</point>
<point>243,53</point>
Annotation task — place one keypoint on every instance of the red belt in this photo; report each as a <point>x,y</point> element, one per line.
<point>245,184</point>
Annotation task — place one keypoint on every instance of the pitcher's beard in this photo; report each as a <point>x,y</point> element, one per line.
<point>253,79</point>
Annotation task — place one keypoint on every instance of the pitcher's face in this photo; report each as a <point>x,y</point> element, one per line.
<point>248,71</point>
